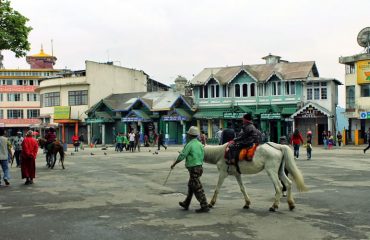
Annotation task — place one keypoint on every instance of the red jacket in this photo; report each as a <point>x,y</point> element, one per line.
<point>29,148</point>
<point>51,137</point>
<point>75,139</point>
<point>296,140</point>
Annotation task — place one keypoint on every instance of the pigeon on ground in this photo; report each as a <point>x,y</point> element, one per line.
<point>150,150</point>
<point>92,154</point>
<point>72,153</point>
<point>104,148</point>
<point>105,153</point>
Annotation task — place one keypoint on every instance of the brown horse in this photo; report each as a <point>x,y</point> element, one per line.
<point>51,152</point>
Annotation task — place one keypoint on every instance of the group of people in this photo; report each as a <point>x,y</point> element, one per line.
<point>129,141</point>
<point>25,152</point>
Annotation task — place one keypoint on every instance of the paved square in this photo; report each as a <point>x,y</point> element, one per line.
<point>121,196</point>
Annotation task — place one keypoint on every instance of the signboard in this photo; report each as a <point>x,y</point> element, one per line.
<point>364,115</point>
<point>310,112</point>
<point>363,72</point>
<point>132,119</point>
<point>174,118</point>
<point>62,112</point>
<point>94,120</point>
<point>233,115</point>
<point>271,116</point>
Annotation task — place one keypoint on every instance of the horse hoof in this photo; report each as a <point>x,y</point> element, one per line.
<point>291,208</point>
<point>272,209</point>
<point>246,207</point>
<point>210,206</point>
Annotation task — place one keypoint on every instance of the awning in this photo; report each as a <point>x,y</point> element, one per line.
<point>136,116</point>
<point>100,117</point>
<point>261,110</point>
<point>288,110</point>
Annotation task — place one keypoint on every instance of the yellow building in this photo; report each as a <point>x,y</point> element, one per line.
<point>357,82</point>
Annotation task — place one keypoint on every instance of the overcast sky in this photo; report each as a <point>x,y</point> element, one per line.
<point>166,38</point>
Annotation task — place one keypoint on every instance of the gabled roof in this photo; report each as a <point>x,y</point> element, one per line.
<point>312,104</point>
<point>259,72</point>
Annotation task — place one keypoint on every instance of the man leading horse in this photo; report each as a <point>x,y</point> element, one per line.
<point>247,138</point>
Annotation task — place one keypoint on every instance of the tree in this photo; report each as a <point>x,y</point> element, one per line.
<point>13,30</point>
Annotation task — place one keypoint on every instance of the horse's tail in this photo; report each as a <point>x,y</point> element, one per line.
<point>213,154</point>
<point>288,158</point>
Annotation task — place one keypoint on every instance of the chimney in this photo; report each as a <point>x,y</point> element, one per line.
<point>180,83</point>
<point>272,59</point>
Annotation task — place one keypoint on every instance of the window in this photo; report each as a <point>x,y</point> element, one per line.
<point>261,90</point>
<point>253,90</point>
<point>324,94</point>
<point>309,94</point>
<point>350,68</point>
<point>1,114</point>
<point>237,90</point>
<point>215,91</point>
<point>77,98</point>
<point>200,92</point>
<point>205,91</point>
<point>33,113</point>
<point>51,99</point>
<point>350,97</point>
<point>290,88</point>
<point>276,88</point>
<point>15,113</point>
<point>9,82</point>
<point>365,90</point>
<point>18,82</point>
<point>14,97</point>
<point>245,90</point>
<point>1,97</point>
<point>316,93</point>
<point>32,97</point>
<point>224,90</point>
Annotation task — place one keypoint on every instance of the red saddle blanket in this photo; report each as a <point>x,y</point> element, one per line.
<point>246,154</point>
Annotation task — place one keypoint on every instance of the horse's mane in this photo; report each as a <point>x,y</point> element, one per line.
<point>212,154</point>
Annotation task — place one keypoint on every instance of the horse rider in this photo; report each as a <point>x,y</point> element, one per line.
<point>227,134</point>
<point>50,138</point>
<point>248,136</point>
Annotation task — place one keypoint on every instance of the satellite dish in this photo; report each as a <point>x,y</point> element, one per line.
<point>363,37</point>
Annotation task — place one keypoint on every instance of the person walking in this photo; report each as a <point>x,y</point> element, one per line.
<point>339,138</point>
<point>325,139</point>
<point>132,141</point>
<point>17,145</point>
<point>29,153</point>
<point>228,134</point>
<point>119,142</point>
<point>161,141</point>
<point>309,148</point>
<point>193,152</point>
<point>75,142</point>
<point>5,154</point>
<point>296,140</point>
<point>368,141</point>
<point>219,136</point>
<point>137,141</point>
<point>81,138</point>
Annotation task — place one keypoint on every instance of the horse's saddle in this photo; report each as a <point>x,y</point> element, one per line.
<point>245,154</point>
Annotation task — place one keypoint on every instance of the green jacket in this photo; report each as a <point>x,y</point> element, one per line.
<point>193,152</point>
<point>119,139</point>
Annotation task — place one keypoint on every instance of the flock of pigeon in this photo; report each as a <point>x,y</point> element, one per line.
<point>106,148</point>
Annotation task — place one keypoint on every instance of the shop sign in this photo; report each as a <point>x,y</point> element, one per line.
<point>363,72</point>
<point>62,112</point>
<point>271,116</point>
<point>233,114</point>
<point>132,119</point>
<point>95,120</point>
<point>174,118</point>
<point>364,115</point>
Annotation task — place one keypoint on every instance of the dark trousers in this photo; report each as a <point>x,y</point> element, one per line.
<point>17,155</point>
<point>160,143</point>
<point>309,151</point>
<point>195,187</point>
<point>132,146</point>
<point>296,150</point>
<point>367,147</point>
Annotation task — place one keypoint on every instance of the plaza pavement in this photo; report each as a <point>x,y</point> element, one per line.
<point>121,196</point>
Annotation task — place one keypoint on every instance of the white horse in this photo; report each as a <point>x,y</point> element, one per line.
<point>270,156</point>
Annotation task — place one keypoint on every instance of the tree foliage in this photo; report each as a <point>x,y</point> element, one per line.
<point>13,30</point>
